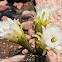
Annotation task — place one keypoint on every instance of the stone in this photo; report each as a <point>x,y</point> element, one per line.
<point>20,47</point>
<point>51,56</point>
<point>27,14</point>
<point>25,51</point>
<point>3,2</point>
<point>4,18</point>
<point>18,5</point>
<point>31,32</point>
<point>17,58</point>
<point>26,6</point>
<point>28,25</point>
<point>28,37</point>
<point>3,8</point>
<point>32,42</point>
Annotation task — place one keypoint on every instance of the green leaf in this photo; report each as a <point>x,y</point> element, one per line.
<point>22,25</point>
<point>54,51</point>
<point>44,52</point>
<point>43,16</point>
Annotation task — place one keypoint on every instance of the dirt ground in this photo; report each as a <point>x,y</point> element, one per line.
<point>7,49</point>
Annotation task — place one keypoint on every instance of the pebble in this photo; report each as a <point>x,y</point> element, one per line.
<point>32,42</point>
<point>3,2</point>
<point>19,47</point>
<point>4,18</point>
<point>28,25</point>
<point>18,5</point>
<point>31,32</point>
<point>25,51</point>
<point>28,37</point>
<point>3,8</point>
<point>27,14</point>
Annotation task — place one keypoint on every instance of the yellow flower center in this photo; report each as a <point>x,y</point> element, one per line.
<point>53,39</point>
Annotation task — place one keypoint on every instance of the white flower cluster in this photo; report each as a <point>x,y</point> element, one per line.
<point>49,38</point>
<point>52,37</point>
<point>10,30</point>
<point>43,12</point>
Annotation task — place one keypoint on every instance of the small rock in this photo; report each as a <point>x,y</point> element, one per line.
<point>17,58</point>
<point>32,42</point>
<point>51,56</point>
<point>3,8</point>
<point>3,2</point>
<point>31,32</point>
<point>4,18</point>
<point>18,5</point>
<point>33,45</point>
<point>28,25</point>
<point>19,47</point>
<point>25,51</point>
<point>27,14</point>
<point>27,36</point>
<point>3,42</point>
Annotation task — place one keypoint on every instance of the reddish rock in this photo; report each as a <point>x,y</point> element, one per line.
<point>17,58</point>
<point>27,14</point>
<point>25,51</point>
<point>27,36</point>
<point>28,25</point>
<point>33,45</point>
<point>4,18</point>
<point>31,32</point>
<point>18,5</point>
<point>3,2</point>
<point>32,42</point>
<point>51,56</point>
<point>3,8</point>
<point>20,47</point>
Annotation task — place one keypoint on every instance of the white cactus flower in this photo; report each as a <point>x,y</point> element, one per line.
<point>44,12</point>
<point>10,30</point>
<point>42,17</point>
<point>52,37</point>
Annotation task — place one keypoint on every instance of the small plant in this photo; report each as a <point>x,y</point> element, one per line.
<point>11,31</point>
<point>48,37</point>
